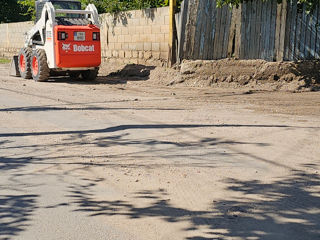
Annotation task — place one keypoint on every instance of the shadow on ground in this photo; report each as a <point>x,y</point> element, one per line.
<point>150,148</point>
<point>130,72</point>
<point>284,208</point>
<point>287,208</point>
<point>146,126</point>
<point>15,214</point>
<point>84,107</point>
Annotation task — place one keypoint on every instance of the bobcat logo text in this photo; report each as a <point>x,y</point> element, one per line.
<point>66,47</point>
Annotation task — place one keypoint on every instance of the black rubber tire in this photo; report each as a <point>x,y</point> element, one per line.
<point>26,72</point>
<point>42,73</point>
<point>74,75</point>
<point>90,74</point>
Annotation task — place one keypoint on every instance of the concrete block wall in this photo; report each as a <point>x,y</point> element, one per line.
<point>136,36</point>
<point>140,36</point>
<point>12,37</point>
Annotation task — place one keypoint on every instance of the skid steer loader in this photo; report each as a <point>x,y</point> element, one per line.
<point>64,41</point>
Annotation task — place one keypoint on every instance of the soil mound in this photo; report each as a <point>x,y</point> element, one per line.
<point>256,74</point>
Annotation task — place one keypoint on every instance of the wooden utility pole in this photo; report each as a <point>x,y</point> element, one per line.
<point>172,32</point>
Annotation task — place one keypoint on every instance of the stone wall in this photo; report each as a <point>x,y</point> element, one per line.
<point>136,36</point>
<point>139,36</point>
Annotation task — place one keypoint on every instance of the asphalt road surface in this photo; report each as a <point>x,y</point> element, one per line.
<point>81,160</point>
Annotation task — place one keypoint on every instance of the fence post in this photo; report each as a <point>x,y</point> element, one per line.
<point>280,30</point>
<point>280,56</point>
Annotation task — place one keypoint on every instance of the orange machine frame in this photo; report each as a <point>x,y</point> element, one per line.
<point>76,54</point>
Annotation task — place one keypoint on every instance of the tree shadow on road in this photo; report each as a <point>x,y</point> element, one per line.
<point>287,208</point>
<point>15,214</point>
<point>284,208</point>
<point>8,163</point>
<point>149,147</point>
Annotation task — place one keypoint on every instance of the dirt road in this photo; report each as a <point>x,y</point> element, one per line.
<point>138,160</point>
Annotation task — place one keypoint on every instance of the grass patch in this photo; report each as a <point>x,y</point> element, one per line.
<point>4,60</point>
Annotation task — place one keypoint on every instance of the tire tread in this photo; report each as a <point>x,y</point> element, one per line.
<point>44,71</point>
<point>27,52</point>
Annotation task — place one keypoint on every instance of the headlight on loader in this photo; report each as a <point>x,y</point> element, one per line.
<point>62,35</point>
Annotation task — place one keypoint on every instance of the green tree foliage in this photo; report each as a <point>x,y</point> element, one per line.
<point>22,10</point>
<point>104,6</point>
<point>310,4</point>
<point>30,6</point>
<point>12,11</point>
<point>111,6</point>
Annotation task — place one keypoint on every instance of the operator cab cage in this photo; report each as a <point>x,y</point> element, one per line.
<point>63,19</point>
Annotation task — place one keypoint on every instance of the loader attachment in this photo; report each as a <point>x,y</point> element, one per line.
<point>14,67</point>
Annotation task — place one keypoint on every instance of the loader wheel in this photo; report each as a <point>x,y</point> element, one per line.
<point>24,60</point>
<point>39,66</point>
<point>90,74</point>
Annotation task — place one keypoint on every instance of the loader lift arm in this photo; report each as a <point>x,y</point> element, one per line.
<point>37,33</point>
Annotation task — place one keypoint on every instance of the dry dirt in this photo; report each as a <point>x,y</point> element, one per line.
<point>193,81</point>
<point>251,74</point>
<point>149,156</point>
